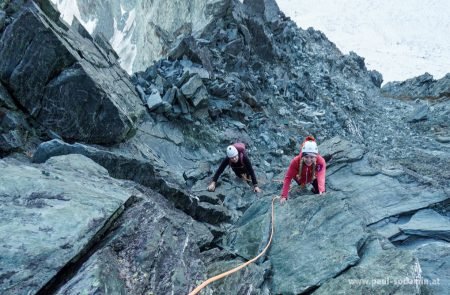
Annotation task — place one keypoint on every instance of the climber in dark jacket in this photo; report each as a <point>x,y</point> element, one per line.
<point>241,166</point>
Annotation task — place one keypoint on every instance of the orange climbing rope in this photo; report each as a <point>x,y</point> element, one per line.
<point>224,274</point>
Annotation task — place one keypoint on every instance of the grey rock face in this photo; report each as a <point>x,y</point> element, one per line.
<point>380,196</point>
<point>65,82</point>
<point>307,224</point>
<point>380,271</point>
<point>430,112</point>
<point>141,171</point>
<point>436,279</point>
<point>339,150</point>
<point>14,128</point>
<point>99,275</point>
<point>428,223</point>
<point>13,131</point>
<point>324,227</point>
<point>54,213</point>
<point>5,99</point>
<point>422,87</point>
<point>2,19</point>
<point>154,248</point>
<point>249,280</point>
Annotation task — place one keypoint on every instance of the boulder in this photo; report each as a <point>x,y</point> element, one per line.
<point>339,150</point>
<point>52,214</point>
<point>191,86</point>
<point>420,113</point>
<point>66,82</point>
<point>154,100</point>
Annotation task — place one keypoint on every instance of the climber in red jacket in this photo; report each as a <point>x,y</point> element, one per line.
<point>308,167</point>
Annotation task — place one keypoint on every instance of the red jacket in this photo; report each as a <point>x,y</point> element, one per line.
<point>306,176</point>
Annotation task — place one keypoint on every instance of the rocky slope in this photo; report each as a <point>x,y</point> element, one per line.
<point>105,181</point>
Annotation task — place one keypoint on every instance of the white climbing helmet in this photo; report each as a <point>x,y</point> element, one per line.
<point>310,147</point>
<point>232,151</point>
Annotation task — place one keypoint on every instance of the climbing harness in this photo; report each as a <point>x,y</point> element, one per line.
<point>224,274</point>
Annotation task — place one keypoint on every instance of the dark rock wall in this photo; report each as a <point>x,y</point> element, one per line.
<point>65,82</point>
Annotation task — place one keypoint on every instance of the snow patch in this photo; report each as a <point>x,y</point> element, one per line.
<point>69,9</point>
<point>400,39</point>
<point>121,41</point>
